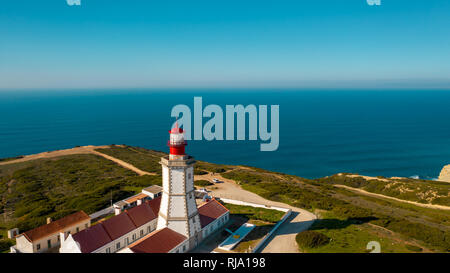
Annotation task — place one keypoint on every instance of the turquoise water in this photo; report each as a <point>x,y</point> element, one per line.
<point>390,133</point>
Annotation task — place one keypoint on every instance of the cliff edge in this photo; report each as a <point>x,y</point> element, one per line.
<point>445,174</point>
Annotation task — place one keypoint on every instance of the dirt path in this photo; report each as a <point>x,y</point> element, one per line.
<point>283,240</point>
<point>79,150</point>
<point>430,206</point>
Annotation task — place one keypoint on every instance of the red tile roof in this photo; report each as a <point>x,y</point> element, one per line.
<point>118,225</point>
<point>132,199</point>
<point>155,204</point>
<point>141,214</point>
<point>56,226</point>
<point>159,241</point>
<point>210,211</point>
<point>92,238</point>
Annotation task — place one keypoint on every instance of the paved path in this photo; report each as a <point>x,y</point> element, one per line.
<point>283,240</point>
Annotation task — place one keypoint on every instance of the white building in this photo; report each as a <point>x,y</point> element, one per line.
<point>117,232</point>
<point>170,223</point>
<point>48,237</point>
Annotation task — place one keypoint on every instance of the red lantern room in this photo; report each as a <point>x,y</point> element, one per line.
<point>176,142</point>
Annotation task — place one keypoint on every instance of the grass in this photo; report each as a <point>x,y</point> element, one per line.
<point>141,158</point>
<point>421,191</point>
<point>42,188</point>
<point>261,214</point>
<point>318,195</point>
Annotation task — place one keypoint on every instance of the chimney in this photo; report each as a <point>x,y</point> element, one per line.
<point>49,220</point>
<point>62,237</point>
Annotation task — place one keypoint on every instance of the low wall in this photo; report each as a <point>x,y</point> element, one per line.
<point>243,203</point>
<point>102,212</point>
<point>263,240</point>
<point>268,235</point>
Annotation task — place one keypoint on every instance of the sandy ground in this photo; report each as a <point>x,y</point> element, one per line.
<point>78,150</point>
<point>283,240</point>
<point>430,206</point>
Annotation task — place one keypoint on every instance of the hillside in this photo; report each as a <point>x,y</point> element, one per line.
<point>32,190</point>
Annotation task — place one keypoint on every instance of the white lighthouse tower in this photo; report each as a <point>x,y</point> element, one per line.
<point>178,209</point>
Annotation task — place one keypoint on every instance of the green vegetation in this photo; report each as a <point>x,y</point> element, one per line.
<point>211,167</point>
<point>146,160</point>
<point>202,183</point>
<point>422,191</point>
<point>34,190</point>
<point>10,158</point>
<point>5,244</point>
<point>266,215</point>
<point>311,239</point>
<point>199,172</point>
<point>341,216</point>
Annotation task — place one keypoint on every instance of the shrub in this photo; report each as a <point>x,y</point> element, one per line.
<point>5,245</point>
<point>414,248</point>
<point>202,183</point>
<point>311,239</point>
<point>200,172</point>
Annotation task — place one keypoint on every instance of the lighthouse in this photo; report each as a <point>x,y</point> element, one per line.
<point>178,210</point>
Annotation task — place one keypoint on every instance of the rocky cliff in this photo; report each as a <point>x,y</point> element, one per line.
<point>445,174</point>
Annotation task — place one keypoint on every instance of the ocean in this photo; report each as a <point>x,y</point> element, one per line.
<point>322,132</point>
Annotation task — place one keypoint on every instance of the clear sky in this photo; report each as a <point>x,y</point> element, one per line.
<point>224,43</point>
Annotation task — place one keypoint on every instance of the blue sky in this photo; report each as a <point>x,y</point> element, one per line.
<point>224,43</point>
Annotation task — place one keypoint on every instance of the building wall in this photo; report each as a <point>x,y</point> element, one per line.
<point>25,246</point>
<point>181,248</point>
<point>216,224</point>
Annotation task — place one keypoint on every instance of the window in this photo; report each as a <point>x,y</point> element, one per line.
<point>118,245</point>
<point>142,232</point>
<point>134,236</point>
<point>184,248</point>
<point>108,250</point>
<point>49,243</point>
<point>127,241</point>
<point>148,229</point>
<point>189,175</point>
<point>59,238</point>
<point>78,229</point>
<point>38,246</point>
